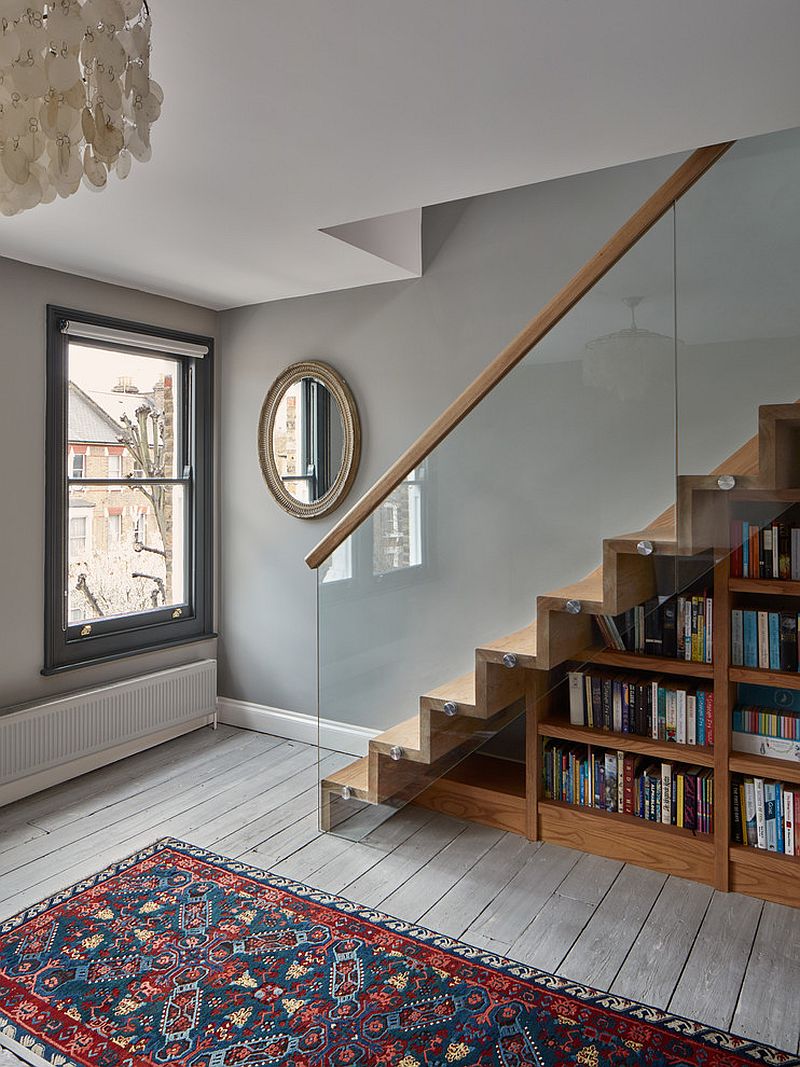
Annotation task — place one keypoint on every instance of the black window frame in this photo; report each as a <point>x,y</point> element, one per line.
<point>68,646</point>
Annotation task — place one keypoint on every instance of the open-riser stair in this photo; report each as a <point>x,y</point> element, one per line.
<point>513,672</point>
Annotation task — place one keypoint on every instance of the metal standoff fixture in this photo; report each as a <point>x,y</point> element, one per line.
<point>726,481</point>
<point>396,753</point>
<point>574,607</point>
<point>347,792</point>
<point>450,708</point>
<point>510,660</point>
<point>645,548</point>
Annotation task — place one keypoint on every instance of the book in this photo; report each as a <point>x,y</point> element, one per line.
<point>666,793</point>
<point>770,816</point>
<point>737,638</point>
<point>751,817</point>
<point>787,655</point>
<point>576,698</point>
<point>761,827</point>
<point>737,826</point>
<point>750,628</point>
<point>773,623</point>
<point>763,639</point>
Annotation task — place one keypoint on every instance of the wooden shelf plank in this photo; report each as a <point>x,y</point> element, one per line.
<point>769,875</point>
<point>779,679</point>
<point>629,839</point>
<point>589,735</point>
<point>764,766</point>
<point>764,586</point>
<point>608,657</point>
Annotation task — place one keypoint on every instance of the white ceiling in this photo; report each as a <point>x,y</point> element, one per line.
<point>283,119</point>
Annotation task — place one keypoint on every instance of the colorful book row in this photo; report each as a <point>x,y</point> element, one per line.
<point>765,815</point>
<point>658,708</point>
<point>678,627</point>
<point>770,550</point>
<point>765,639</point>
<point>767,722</point>
<point>631,785</point>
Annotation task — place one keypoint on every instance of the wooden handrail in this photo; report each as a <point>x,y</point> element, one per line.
<point>551,314</point>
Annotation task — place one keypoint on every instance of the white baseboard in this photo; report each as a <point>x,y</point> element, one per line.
<point>295,726</point>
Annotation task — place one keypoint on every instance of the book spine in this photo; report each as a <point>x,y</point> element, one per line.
<point>751,815</point>
<point>761,827</point>
<point>680,727</point>
<point>666,793</point>
<point>709,629</point>
<point>737,828</point>
<point>577,710</point>
<point>737,638</point>
<point>770,816</point>
<point>750,628</point>
<point>691,719</point>
<point>763,640</point>
<point>788,821</point>
<point>774,641</point>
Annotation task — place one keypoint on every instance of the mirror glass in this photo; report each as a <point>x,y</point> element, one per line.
<point>308,439</point>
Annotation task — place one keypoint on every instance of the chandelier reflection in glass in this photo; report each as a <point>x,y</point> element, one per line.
<point>76,98</point>
<point>629,362</point>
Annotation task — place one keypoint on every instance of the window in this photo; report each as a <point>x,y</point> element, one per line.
<point>397,527</point>
<point>129,559</point>
<point>114,465</point>
<point>114,529</point>
<point>78,537</point>
<point>394,550</point>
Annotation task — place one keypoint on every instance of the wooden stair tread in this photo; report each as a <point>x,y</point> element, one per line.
<point>354,775</point>
<point>521,642</point>
<point>404,734</point>
<point>459,690</point>
<point>588,590</point>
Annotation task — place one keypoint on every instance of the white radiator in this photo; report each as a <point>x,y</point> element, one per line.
<point>42,744</point>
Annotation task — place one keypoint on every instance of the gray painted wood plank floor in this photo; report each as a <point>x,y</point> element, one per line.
<point>726,960</point>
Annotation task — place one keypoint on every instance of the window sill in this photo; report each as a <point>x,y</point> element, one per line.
<point>114,656</point>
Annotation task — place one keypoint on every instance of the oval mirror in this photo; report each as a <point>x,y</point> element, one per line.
<point>309,439</point>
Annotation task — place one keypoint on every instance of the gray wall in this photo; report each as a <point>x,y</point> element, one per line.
<point>24,293</point>
<point>407,349</point>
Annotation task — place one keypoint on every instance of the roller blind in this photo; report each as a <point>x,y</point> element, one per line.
<point>87,332</point>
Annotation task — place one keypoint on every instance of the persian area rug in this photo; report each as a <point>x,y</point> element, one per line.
<point>177,956</point>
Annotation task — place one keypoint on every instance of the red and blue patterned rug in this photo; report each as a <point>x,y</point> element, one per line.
<point>176,956</point>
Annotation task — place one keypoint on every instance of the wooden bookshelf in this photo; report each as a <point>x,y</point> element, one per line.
<point>764,586</point>
<point>670,849</point>
<point>709,858</point>
<point>646,746</point>
<point>769,875</point>
<point>764,767</point>
<point>607,657</point>
<point>759,676</point>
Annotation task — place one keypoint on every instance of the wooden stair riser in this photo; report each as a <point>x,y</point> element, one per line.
<point>456,739</point>
<point>501,686</point>
<point>561,635</point>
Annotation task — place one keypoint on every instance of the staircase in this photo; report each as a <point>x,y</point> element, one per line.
<point>457,718</point>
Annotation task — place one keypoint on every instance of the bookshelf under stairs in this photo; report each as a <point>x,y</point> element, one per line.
<point>433,758</point>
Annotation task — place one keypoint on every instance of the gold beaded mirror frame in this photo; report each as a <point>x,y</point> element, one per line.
<point>309,439</point>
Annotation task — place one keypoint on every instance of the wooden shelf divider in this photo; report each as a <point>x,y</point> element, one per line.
<point>609,657</point>
<point>759,676</point>
<point>764,586</point>
<point>590,735</point>
<point>764,767</point>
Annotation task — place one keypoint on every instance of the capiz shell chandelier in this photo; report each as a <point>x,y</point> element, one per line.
<point>76,97</point>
